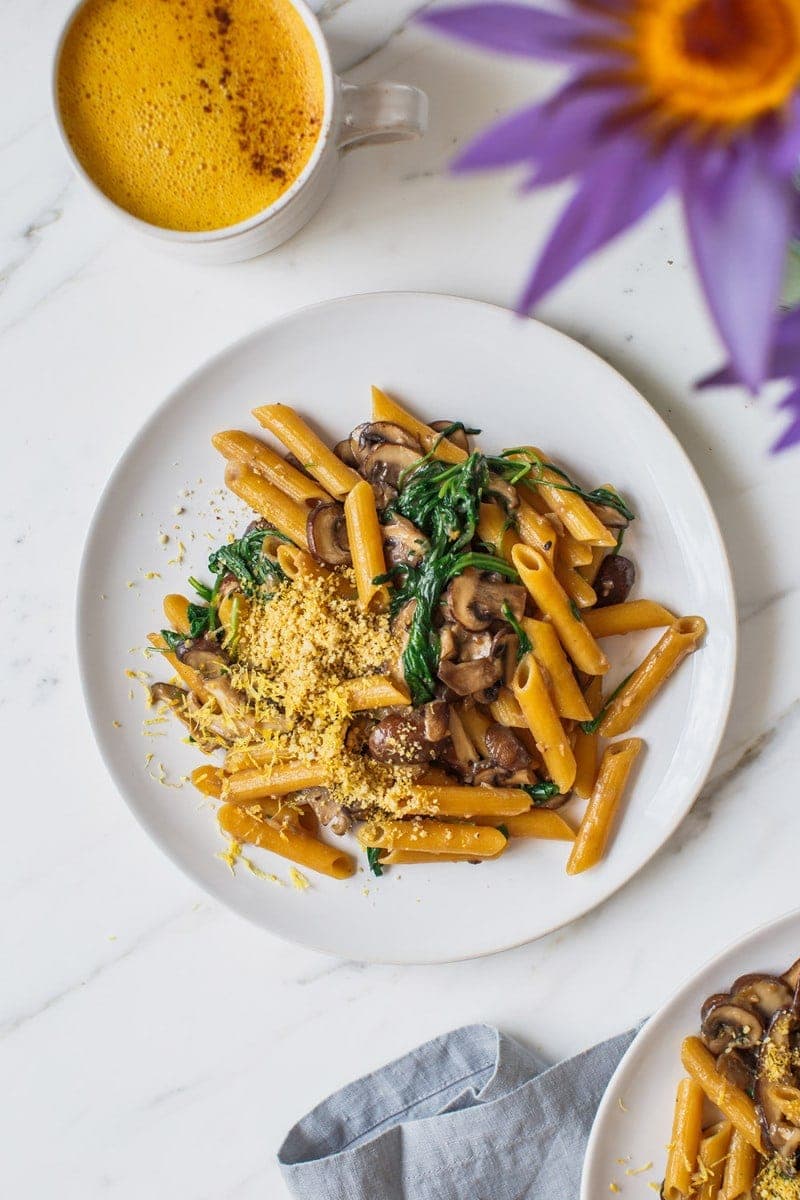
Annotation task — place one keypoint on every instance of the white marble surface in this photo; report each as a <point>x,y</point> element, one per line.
<point>152,1044</point>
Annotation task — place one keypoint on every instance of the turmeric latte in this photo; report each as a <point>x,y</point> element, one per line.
<point>191,115</point>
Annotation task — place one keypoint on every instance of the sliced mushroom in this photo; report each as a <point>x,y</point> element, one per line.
<point>614,580</point>
<point>611,517</point>
<point>384,495</point>
<point>489,774</point>
<point>792,977</point>
<point>228,584</point>
<point>205,657</point>
<point>326,531</point>
<point>778,1085</point>
<point>738,1067</point>
<point>387,462</point>
<point>327,809</point>
<point>403,543</point>
<point>764,993</point>
<point>731,1024</point>
<point>344,451</point>
<point>358,732</point>
<point>471,677</point>
<point>505,748</point>
<point>411,735</point>
<point>505,493</point>
<point>458,437</point>
<point>476,598</point>
<point>505,646</point>
<point>167,693</point>
<point>369,434</point>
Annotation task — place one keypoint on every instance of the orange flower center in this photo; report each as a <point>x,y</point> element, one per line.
<point>718,62</point>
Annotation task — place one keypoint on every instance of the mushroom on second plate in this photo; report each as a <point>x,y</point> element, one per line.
<point>328,810</point>
<point>411,735</point>
<point>387,462</point>
<point>730,1023</point>
<point>476,598</point>
<point>457,436</point>
<point>369,434</point>
<point>403,543</point>
<point>326,531</point>
<point>614,581</point>
<point>778,1087</point>
<point>764,993</point>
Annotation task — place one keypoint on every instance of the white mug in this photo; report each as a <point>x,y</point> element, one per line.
<point>354,115</point>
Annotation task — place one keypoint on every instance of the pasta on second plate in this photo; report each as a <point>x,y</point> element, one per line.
<point>408,638</point>
<point>736,1126</point>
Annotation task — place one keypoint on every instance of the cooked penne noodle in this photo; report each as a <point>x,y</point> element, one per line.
<point>536,531</point>
<point>574,553</point>
<point>475,723</point>
<point>193,679</point>
<point>679,640</point>
<point>494,530</point>
<point>252,756</point>
<point>366,547</point>
<point>232,612</point>
<point>590,571</point>
<point>627,618</point>
<point>577,516</point>
<point>176,611</point>
<point>553,601</point>
<point>291,430</point>
<point>735,1104</point>
<point>237,446</point>
<point>295,563</point>
<point>294,844</point>
<point>740,1168</point>
<point>455,801</point>
<point>386,409</point>
<point>373,691</point>
<point>595,827</point>
<point>434,837</point>
<point>576,586</point>
<point>585,745</point>
<point>506,710</point>
<point>276,780</point>
<point>269,502</point>
<point>711,1160</point>
<point>533,698</point>
<point>541,823</point>
<point>547,651</point>
<point>208,780</point>
<point>407,857</point>
<point>685,1141</point>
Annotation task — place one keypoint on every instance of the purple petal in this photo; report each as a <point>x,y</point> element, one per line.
<point>566,124</point>
<point>739,216</point>
<point>575,132</point>
<point>781,134</point>
<point>519,29</point>
<point>791,435</point>
<point>616,190</point>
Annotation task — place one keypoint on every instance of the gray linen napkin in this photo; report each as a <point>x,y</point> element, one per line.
<point>471,1115</point>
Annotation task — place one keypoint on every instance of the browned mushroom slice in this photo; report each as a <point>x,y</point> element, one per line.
<point>731,1024</point>
<point>764,993</point>
<point>476,598</point>
<point>327,809</point>
<point>403,542</point>
<point>384,495</point>
<point>387,462</point>
<point>167,693</point>
<point>612,518</point>
<point>470,677</point>
<point>369,434</point>
<point>614,580</point>
<point>458,437</point>
<point>505,748</point>
<point>505,493</point>
<point>344,451</point>
<point>778,1086</point>
<point>212,665</point>
<point>738,1067</point>
<point>411,735</point>
<point>792,977</point>
<point>326,531</point>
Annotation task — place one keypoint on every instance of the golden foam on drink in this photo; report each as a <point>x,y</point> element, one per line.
<point>191,115</point>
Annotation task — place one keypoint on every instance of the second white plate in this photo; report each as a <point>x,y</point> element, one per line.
<point>520,382</point>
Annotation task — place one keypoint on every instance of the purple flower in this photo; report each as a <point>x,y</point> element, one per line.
<point>699,96</point>
<point>784,363</point>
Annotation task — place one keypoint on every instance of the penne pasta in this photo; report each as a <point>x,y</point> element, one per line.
<point>208,780</point>
<point>238,446</point>
<point>455,801</point>
<point>585,745</point>
<point>711,1160</point>
<point>684,1144</point>
<point>536,531</point>
<point>541,823</point>
<point>595,828</point>
<point>276,780</point>
<point>407,857</point>
<point>576,587</point>
<point>296,563</point>
<point>386,409</point>
<point>590,571</point>
<point>475,723</point>
<point>291,430</point>
<point>576,554</point>
<point>373,691</point>
<point>547,651</point>
<point>533,698</point>
<point>176,611</point>
<point>574,512</point>
<point>294,844</point>
<point>627,618</point>
<point>289,517</point>
<point>553,601</point>
<point>366,547</point>
<point>434,837</point>
<point>494,529</point>
<point>679,640</point>
<point>506,710</point>
<point>740,1168</point>
<point>193,679</point>
<point>735,1104</point>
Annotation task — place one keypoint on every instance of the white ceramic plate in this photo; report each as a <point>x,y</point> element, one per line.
<point>634,1120</point>
<point>520,382</point>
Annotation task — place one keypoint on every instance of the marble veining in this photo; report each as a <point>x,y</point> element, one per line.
<point>151,1044</point>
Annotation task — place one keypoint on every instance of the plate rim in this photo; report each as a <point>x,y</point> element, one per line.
<point>650,1028</point>
<point>230,351</point>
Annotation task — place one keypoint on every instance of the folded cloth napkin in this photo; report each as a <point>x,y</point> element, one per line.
<point>471,1115</point>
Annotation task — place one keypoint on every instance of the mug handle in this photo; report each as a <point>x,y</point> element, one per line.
<point>377,113</point>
